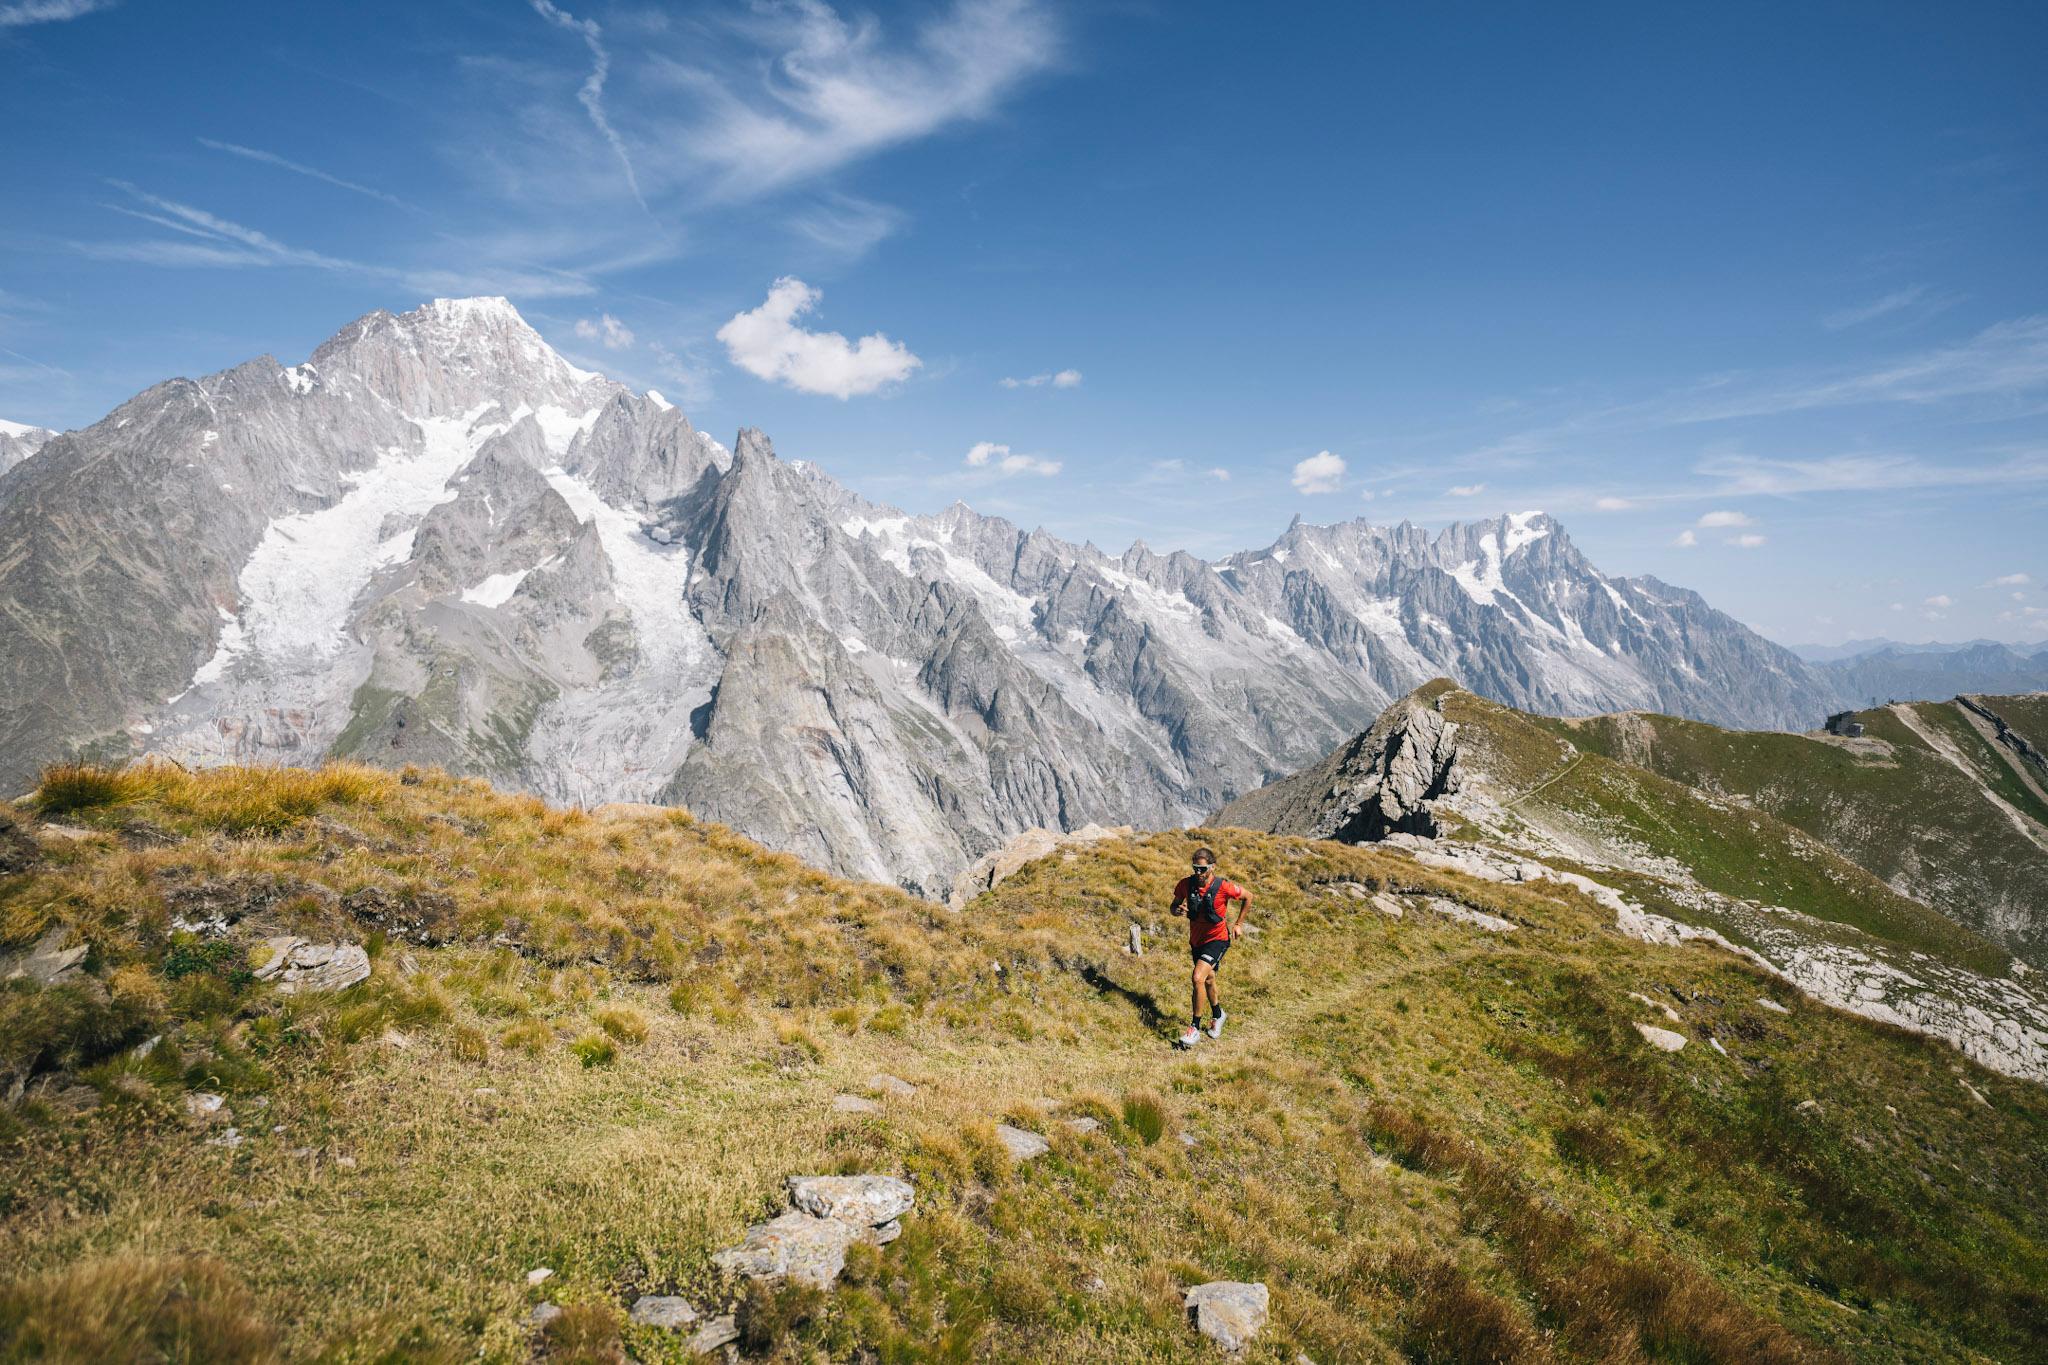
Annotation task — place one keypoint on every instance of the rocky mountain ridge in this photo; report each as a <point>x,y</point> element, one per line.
<point>1868,896</point>
<point>438,542</point>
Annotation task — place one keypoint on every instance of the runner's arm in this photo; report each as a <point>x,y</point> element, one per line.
<point>1244,903</point>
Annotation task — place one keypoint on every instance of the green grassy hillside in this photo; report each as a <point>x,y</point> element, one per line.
<point>1915,803</point>
<point>597,1045</point>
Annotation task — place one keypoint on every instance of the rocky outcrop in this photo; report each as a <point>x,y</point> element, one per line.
<point>297,966</point>
<point>829,1215</point>
<point>1383,782</point>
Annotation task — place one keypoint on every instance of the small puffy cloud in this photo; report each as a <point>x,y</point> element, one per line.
<point>1322,472</point>
<point>1365,495</point>
<point>2012,580</point>
<point>1898,606</point>
<point>993,455</point>
<point>1612,504</point>
<point>1220,475</point>
<point>768,344</point>
<point>1466,490</point>
<point>1686,540</point>
<point>49,11</point>
<point>1940,599</point>
<point>1749,540</point>
<point>613,334</point>
<point>1059,379</point>
<point>1716,519</point>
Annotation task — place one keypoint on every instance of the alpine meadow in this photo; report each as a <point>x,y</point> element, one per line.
<point>1002,680</point>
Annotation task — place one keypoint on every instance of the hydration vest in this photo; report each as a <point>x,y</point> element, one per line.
<point>1203,903</point>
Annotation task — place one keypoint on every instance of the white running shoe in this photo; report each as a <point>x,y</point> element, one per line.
<point>1216,1024</point>
<point>1191,1037</point>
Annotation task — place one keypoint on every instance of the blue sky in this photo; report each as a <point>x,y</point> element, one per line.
<point>1751,297</point>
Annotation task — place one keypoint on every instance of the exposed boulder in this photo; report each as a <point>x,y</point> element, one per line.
<point>831,1213</point>
<point>1019,1143</point>
<point>1662,1039</point>
<point>882,1083</point>
<point>857,1200</point>
<point>48,963</point>
<point>1228,1312</point>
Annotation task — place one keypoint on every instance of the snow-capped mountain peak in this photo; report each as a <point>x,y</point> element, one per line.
<point>438,541</point>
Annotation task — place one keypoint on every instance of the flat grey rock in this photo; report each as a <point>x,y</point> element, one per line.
<point>667,1311</point>
<point>47,963</point>
<point>1083,1125</point>
<point>543,1314</point>
<point>719,1331</point>
<point>854,1104</point>
<point>1021,1144</point>
<point>1228,1312</point>
<point>1661,1038</point>
<point>860,1200</point>
<point>794,1245</point>
<point>882,1083</point>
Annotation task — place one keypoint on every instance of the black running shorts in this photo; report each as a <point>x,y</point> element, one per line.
<point>1212,953</point>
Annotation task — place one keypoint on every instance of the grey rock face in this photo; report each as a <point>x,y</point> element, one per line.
<point>1380,783</point>
<point>438,542</point>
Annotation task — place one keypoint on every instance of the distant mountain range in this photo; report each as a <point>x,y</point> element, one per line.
<point>1876,671</point>
<point>438,542</point>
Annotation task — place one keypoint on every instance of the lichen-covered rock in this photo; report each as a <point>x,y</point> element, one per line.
<point>666,1311</point>
<point>1228,1312</point>
<point>796,1245</point>
<point>860,1200</point>
<point>296,965</point>
<point>719,1331</point>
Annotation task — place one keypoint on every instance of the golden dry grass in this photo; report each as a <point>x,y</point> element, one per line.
<point>1430,1141</point>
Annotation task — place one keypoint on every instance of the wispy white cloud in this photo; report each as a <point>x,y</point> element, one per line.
<point>1915,297</point>
<point>768,343</point>
<point>225,244</point>
<point>310,172</point>
<point>1466,490</point>
<point>1220,475</point>
<point>1322,472</point>
<point>591,93</point>
<point>1748,540</point>
<point>1727,519</point>
<point>1940,599</point>
<point>994,456</point>
<point>49,11</point>
<point>846,226</point>
<point>1059,379</point>
<point>832,91</point>
<point>1746,474</point>
<point>1686,539</point>
<point>606,330</point>
<point>1612,504</point>
<point>2012,580</point>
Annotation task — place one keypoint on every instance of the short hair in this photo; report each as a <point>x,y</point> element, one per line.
<point>1208,853</point>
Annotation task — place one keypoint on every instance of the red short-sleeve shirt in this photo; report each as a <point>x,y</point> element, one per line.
<point>1199,933</point>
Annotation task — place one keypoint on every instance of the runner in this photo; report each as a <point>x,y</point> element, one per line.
<point>1205,899</point>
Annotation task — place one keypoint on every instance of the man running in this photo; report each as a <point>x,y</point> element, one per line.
<point>1205,899</point>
